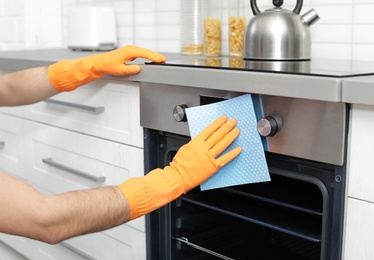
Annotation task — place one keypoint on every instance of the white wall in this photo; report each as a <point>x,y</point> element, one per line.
<point>345,31</point>
<point>30,24</point>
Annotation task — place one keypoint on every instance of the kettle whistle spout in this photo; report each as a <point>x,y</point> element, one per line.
<point>310,17</point>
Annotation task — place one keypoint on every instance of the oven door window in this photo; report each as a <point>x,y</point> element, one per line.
<point>287,218</point>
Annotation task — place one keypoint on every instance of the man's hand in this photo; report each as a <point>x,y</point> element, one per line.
<point>67,75</point>
<point>194,163</point>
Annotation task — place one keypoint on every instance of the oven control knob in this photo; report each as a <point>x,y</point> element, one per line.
<point>179,113</point>
<point>268,126</point>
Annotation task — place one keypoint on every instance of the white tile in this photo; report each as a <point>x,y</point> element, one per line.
<point>363,1</point>
<point>364,13</point>
<point>33,7</point>
<point>9,30</point>
<point>330,2</point>
<point>13,7</point>
<point>145,32</point>
<point>51,7</point>
<point>168,46</point>
<point>144,6</point>
<point>335,13</point>
<point>168,5</point>
<point>340,51</point>
<point>67,2</point>
<point>168,32</point>
<point>123,6</point>
<point>363,33</point>
<point>363,52</point>
<point>13,46</point>
<point>85,2</point>
<point>126,41</point>
<point>142,18</point>
<point>332,33</point>
<point>49,29</point>
<point>144,43</point>
<point>126,32</point>
<point>168,18</point>
<point>125,19</point>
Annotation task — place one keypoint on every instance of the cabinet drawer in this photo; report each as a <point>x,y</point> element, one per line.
<point>104,108</point>
<point>92,246</point>
<point>59,161</point>
<point>101,246</point>
<point>359,230</point>
<point>11,148</point>
<point>36,250</point>
<point>360,160</point>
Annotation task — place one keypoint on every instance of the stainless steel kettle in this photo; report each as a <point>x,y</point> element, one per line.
<point>279,34</point>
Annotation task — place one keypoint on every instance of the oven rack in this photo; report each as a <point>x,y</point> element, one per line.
<point>197,237</point>
<point>285,204</point>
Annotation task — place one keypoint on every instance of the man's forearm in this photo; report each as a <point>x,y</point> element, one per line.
<point>81,212</point>
<point>26,212</point>
<point>25,87</point>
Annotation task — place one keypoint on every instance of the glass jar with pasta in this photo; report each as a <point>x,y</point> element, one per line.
<point>212,27</point>
<point>192,27</point>
<point>238,13</point>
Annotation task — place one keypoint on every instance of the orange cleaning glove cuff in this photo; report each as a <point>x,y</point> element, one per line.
<point>151,192</point>
<point>67,75</point>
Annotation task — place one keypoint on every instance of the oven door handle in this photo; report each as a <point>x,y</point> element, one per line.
<point>185,240</point>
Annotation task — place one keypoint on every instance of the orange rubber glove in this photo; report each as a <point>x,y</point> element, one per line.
<point>194,163</point>
<point>67,75</point>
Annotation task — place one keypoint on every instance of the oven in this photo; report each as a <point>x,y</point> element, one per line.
<point>297,215</point>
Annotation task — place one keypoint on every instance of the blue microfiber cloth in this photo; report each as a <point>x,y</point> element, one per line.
<point>250,166</point>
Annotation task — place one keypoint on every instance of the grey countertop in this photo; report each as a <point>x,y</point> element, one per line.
<point>359,90</point>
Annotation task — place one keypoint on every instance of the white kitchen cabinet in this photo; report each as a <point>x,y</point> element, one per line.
<point>359,222</point>
<point>360,155</point>
<point>92,139</point>
<point>32,249</point>
<point>81,161</point>
<point>9,253</point>
<point>74,161</point>
<point>11,145</point>
<point>106,109</point>
<point>359,238</point>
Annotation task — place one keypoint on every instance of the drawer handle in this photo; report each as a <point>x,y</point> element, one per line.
<point>76,250</point>
<point>95,110</point>
<point>91,177</point>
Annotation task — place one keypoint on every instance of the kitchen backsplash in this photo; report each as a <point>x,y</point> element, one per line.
<point>345,31</point>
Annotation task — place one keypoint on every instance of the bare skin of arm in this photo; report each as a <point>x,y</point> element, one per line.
<point>51,219</point>
<point>25,87</point>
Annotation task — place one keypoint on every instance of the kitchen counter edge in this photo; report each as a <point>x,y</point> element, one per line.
<point>278,84</point>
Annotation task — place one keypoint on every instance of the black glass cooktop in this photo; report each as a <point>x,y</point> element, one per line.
<point>316,67</point>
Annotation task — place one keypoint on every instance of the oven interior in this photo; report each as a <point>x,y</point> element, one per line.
<point>295,216</point>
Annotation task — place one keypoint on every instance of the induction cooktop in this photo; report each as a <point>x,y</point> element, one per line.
<point>314,67</point>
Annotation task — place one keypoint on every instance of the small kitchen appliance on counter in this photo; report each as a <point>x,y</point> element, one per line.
<point>278,34</point>
<point>92,28</point>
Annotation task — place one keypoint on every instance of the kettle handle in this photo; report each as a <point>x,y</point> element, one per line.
<point>277,3</point>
